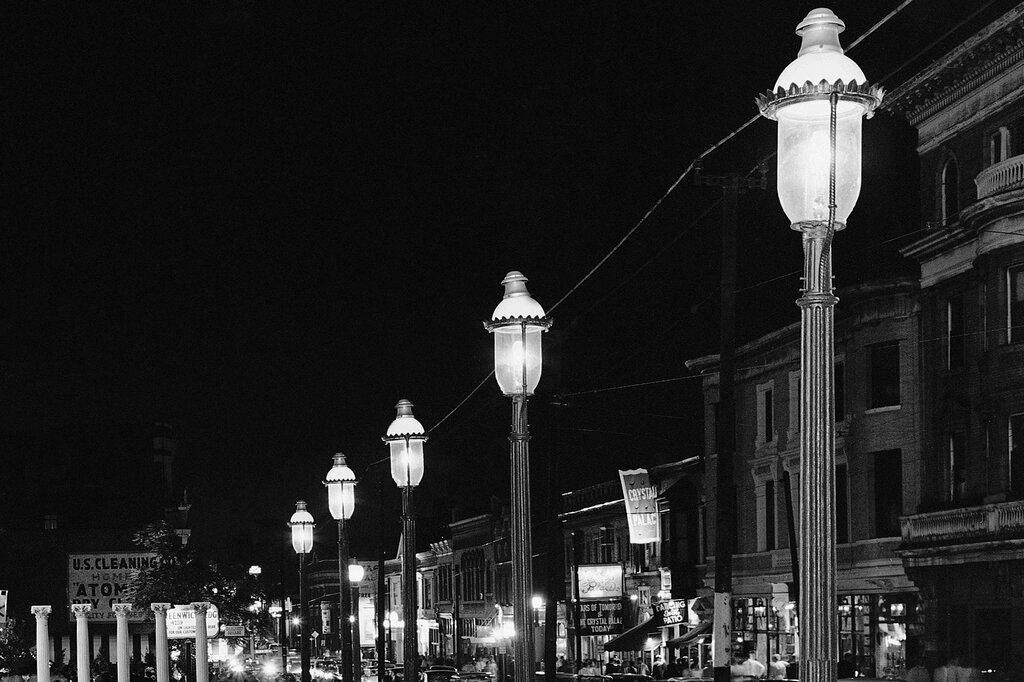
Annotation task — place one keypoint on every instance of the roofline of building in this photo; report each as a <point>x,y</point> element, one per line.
<point>708,364</point>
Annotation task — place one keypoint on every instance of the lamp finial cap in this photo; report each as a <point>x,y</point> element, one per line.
<point>339,459</point>
<point>515,284</point>
<point>403,408</point>
<point>820,31</point>
<point>300,505</point>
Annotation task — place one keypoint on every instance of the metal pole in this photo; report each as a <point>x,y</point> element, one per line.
<point>816,543</point>
<point>725,442</point>
<point>576,615</point>
<point>521,544</point>
<point>357,656</point>
<point>456,617</point>
<point>283,625</point>
<point>304,633</point>
<point>409,652</point>
<point>344,606</point>
<point>382,643</point>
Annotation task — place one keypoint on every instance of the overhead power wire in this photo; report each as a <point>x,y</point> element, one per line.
<point>661,199</point>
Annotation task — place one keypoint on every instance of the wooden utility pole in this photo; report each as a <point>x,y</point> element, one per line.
<point>725,423</point>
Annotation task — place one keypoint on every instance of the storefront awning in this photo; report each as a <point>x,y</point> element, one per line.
<point>635,638</point>
<point>692,635</point>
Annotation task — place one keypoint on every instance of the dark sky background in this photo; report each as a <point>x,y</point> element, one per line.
<point>268,224</point>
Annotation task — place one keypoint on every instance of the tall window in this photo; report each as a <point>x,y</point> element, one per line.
<point>1015,453</point>
<point>999,146</point>
<point>765,413</point>
<point>888,493</point>
<point>769,514</point>
<point>842,504</point>
<point>955,339</point>
<point>956,457</point>
<point>884,374</point>
<point>839,389</point>
<point>949,190</point>
<point>1015,303</point>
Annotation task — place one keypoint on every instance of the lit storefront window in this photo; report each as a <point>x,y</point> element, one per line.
<point>873,628</point>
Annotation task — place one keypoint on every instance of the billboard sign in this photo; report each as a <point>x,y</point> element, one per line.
<point>641,497</point>
<point>101,580</point>
<point>601,618</point>
<point>181,622</point>
<point>599,581</point>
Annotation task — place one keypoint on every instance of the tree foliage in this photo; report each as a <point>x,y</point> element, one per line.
<point>184,575</point>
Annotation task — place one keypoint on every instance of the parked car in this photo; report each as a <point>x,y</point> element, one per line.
<point>440,673</point>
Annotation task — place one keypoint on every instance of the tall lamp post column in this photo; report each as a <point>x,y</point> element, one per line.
<point>341,498</point>
<point>42,614</point>
<point>819,102</point>
<point>302,524</point>
<point>517,325</point>
<point>405,438</point>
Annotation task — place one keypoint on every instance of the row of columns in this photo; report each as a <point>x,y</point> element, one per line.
<point>121,612</point>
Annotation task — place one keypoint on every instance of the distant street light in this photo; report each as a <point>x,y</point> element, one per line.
<point>819,101</point>
<point>405,437</point>
<point>302,542</point>
<point>341,498</point>
<point>517,325</point>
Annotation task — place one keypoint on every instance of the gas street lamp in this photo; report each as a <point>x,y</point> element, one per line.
<point>819,102</point>
<point>405,437</point>
<point>341,498</point>
<point>302,542</point>
<point>517,325</point>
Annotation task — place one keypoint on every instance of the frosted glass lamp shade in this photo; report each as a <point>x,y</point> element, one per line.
<point>341,489</point>
<point>356,572</point>
<point>302,529</point>
<point>803,160</point>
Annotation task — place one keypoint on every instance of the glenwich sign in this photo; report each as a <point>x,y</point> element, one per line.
<point>641,499</point>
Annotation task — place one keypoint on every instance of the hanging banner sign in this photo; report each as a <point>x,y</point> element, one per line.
<point>367,622</point>
<point>102,578</point>
<point>600,618</point>
<point>181,622</point>
<point>641,499</point>
<point>3,607</point>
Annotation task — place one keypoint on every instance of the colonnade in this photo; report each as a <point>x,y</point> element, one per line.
<point>121,612</point>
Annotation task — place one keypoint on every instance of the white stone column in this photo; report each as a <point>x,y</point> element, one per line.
<point>163,671</point>
<point>121,612</point>
<point>42,614</point>
<point>81,613</point>
<point>202,655</point>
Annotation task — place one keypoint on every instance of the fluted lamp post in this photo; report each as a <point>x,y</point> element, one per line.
<point>405,438</point>
<point>341,498</point>
<point>302,542</point>
<point>819,101</point>
<point>517,325</point>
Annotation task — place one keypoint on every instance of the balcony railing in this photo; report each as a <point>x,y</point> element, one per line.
<point>970,523</point>
<point>1000,177</point>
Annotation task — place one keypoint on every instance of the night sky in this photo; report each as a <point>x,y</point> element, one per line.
<point>268,225</point>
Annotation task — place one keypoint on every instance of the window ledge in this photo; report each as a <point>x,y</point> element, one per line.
<point>887,408</point>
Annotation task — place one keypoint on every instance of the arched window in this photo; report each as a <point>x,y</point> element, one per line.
<point>949,191</point>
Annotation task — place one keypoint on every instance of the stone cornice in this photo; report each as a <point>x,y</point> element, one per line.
<point>995,49</point>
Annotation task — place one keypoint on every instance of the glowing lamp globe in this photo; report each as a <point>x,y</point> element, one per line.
<point>517,324</point>
<point>356,572</point>
<point>405,439</point>
<point>800,102</point>
<point>341,489</point>
<point>302,529</point>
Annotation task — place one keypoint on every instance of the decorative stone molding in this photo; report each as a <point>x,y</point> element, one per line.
<point>42,612</point>
<point>161,608</point>
<point>121,610</point>
<point>200,606</point>
<point>81,610</point>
